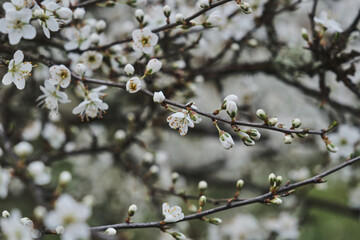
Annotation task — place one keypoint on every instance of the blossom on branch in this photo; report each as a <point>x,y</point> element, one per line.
<point>133,85</point>
<point>172,214</point>
<point>17,71</point>
<point>144,40</point>
<point>60,75</point>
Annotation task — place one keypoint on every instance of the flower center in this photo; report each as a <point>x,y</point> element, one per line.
<point>145,41</point>
<point>133,86</point>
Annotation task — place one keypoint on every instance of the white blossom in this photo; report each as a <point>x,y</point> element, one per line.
<point>286,226</point>
<point>100,25</point>
<point>77,38</point>
<point>32,130</point>
<point>79,13</point>
<point>54,135</point>
<point>39,172</point>
<point>65,177</point>
<point>214,20</point>
<point>16,25</point>
<point>179,18</point>
<point>159,97</point>
<point>72,216</point>
<point>80,69</point>
<point>110,231</point>
<point>172,214</point>
<point>181,120</point>
<point>144,40</point>
<point>52,97</point>
<point>204,3</point>
<point>92,106</point>
<point>133,85</point>
<point>13,229</point>
<point>92,59</point>
<point>327,22</point>
<point>60,75</point>
<point>17,71</point>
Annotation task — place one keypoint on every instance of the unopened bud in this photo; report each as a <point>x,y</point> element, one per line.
<point>273,121</point>
<point>110,231</point>
<point>167,10</point>
<point>80,69</point>
<point>215,221</point>
<point>278,180</point>
<point>40,212</point>
<point>287,139</point>
<point>202,201</point>
<point>202,186</point>
<point>276,201</point>
<point>272,178</point>
<point>132,210</point>
<point>129,69</point>
<point>37,13</point>
<point>254,134</point>
<point>296,123</point>
<point>248,141</point>
<point>332,148</point>
<point>192,208</point>
<point>231,108</point>
<point>174,177</point>
<point>179,18</point>
<point>59,230</point>
<point>239,184</point>
<point>245,7</point>
<point>64,178</point>
<point>260,113</point>
<point>120,135</point>
<point>139,14</point>
<point>5,214</point>
<point>304,34</point>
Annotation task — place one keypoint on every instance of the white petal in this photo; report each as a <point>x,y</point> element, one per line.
<point>3,25</point>
<point>8,78</point>
<point>15,36</point>
<point>26,67</point>
<point>52,24</point>
<point>46,31</point>
<point>19,82</point>
<point>18,57</point>
<point>29,32</point>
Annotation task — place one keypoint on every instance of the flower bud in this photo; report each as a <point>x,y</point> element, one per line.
<point>88,200</point>
<point>260,113</point>
<point>231,108</point>
<point>213,20</point>
<point>245,7</point>
<point>129,69</point>
<point>204,3</point>
<point>254,134</point>
<point>331,147</point>
<point>94,38</point>
<point>296,123</point>
<point>239,184</point>
<point>132,210</point>
<point>215,221</point>
<point>231,97</point>
<point>120,135</point>
<point>202,186</point>
<point>202,201</point>
<point>23,149</point>
<point>80,69</point>
<point>139,14</point>
<point>110,231</point>
<point>248,141</point>
<point>64,178</point>
<point>226,140</point>
<point>100,25</point>
<point>287,139</point>
<point>304,34</point>
<point>272,179</point>
<point>59,230</point>
<point>159,97</point>
<point>37,13</point>
<point>278,180</point>
<point>27,222</point>
<point>276,201</point>
<point>179,18</point>
<point>154,170</point>
<point>40,212</point>
<point>148,158</point>
<point>174,177</point>
<point>153,66</point>
<point>64,13</point>
<point>302,135</point>
<point>5,214</point>
<point>167,10</point>
<point>178,235</point>
<point>79,13</point>
<point>273,121</point>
